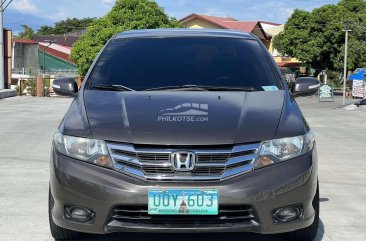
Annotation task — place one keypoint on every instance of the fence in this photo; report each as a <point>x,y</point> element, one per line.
<point>53,72</point>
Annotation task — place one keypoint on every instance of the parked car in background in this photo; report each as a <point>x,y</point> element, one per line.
<point>184,131</point>
<point>289,75</point>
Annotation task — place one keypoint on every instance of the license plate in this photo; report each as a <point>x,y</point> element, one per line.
<point>183,202</point>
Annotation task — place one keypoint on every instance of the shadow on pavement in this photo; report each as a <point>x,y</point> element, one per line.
<point>200,236</point>
<point>184,237</point>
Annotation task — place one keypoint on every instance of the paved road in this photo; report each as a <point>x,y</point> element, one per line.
<point>27,124</point>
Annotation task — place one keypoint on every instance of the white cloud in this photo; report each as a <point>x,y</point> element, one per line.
<point>59,14</point>
<point>25,6</point>
<point>214,12</point>
<point>181,3</point>
<point>108,2</point>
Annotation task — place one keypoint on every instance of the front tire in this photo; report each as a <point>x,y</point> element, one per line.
<point>308,233</point>
<point>57,232</point>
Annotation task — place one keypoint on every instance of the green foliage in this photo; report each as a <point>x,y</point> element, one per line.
<point>317,37</point>
<point>30,86</point>
<point>125,15</point>
<point>28,32</point>
<point>334,78</point>
<point>66,26</point>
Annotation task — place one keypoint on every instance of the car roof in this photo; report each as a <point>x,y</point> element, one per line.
<point>183,32</point>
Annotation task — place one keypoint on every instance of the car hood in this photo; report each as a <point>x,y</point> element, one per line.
<point>183,117</point>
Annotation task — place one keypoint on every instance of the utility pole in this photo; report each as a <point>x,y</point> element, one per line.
<point>345,65</point>
<point>50,42</point>
<point>3,6</point>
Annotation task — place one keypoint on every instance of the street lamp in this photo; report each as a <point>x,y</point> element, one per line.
<point>50,42</point>
<point>345,65</point>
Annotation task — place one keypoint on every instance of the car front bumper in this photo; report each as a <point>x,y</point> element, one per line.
<point>289,183</point>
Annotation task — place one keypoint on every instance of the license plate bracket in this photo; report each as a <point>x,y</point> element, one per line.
<point>183,202</point>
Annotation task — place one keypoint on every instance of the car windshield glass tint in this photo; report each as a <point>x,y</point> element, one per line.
<point>149,63</point>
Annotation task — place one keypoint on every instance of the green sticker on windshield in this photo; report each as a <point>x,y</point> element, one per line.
<point>270,88</point>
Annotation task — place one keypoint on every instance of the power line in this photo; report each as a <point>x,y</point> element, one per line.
<point>6,6</point>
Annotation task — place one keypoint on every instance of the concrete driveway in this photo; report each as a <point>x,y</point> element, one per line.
<point>27,124</point>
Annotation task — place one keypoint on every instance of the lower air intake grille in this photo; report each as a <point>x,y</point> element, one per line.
<point>228,214</point>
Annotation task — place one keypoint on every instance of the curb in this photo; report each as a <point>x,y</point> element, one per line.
<point>7,93</point>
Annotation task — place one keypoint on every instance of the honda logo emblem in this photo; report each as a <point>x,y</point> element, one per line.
<point>183,161</point>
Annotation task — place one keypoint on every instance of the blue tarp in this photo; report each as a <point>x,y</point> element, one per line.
<point>358,76</point>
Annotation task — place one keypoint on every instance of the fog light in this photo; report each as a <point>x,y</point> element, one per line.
<point>79,214</point>
<point>288,214</point>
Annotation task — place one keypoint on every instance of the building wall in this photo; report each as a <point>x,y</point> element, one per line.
<point>261,36</point>
<point>52,63</point>
<point>266,43</point>
<point>276,55</point>
<point>267,26</point>
<point>274,31</point>
<point>26,56</point>
<point>199,23</point>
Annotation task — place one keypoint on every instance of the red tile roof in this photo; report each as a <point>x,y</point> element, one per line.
<point>241,26</point>
<point>56,53</point>
<point>25,41</point>
<point>228,23</point>
<point>215,20</point>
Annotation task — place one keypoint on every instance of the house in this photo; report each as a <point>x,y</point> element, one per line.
<point>54,57</point>
<point>33,57</point>
<point>282,61</point>
<point>25,52</point>
<point>264,30</point>
<point>41,57</point>
<point>65,40</point>
<point>54,52</point>
<point>204,21</point>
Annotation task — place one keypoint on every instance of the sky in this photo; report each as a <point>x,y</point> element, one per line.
<point>36,13</point>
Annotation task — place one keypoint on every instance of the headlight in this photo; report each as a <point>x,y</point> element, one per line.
<point>278,150</point>
<point>88,150</point>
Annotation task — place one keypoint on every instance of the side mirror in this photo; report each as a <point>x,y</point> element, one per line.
<point>305,86</point>
<point>65,86</point>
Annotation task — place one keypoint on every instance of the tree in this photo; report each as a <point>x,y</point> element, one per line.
<point>66,26</point>
<point>317,37</point>
<point>125,15</point>
<point>28,32</point>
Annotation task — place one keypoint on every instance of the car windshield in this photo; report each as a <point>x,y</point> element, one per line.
<point>157,63</point>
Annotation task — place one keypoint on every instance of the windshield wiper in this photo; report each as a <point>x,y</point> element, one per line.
<point>186,87</point>
<point>203,87</point>
<point>112,87</point>
<point>228,88</point>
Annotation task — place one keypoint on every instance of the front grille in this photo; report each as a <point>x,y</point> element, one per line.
<point>211,163</point>
<point>213,158</point>
<point>208,170</point>
<point>228,214</point>
<point>155,157</point>
<point>157,170</point>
